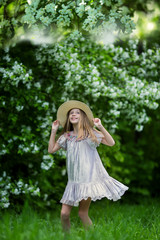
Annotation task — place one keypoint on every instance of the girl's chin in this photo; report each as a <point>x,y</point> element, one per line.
<point>74,122</point>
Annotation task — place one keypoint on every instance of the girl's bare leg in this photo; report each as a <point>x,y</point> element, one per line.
<point>65,217</point>
<point>83,212</point>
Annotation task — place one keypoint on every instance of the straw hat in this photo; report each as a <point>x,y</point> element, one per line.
<point>67,106</point>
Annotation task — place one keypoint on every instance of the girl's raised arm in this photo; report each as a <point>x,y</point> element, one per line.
<point>53,146</point>
<point>107,138</point>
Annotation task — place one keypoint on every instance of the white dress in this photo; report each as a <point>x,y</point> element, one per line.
<point>87,176</point>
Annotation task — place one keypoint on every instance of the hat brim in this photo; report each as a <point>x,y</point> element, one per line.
<point>67,106</point>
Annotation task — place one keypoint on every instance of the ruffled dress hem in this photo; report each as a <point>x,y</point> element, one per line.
<point>110,188</point>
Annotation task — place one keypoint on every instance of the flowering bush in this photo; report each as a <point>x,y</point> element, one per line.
<point>119,85</point>
<point>127,82</point>
<point>8,187</point>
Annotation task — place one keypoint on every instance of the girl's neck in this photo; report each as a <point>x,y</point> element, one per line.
<point>75,129</point>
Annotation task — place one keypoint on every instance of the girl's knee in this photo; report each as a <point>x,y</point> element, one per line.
<point>65,214</point>
<point>82,214</point>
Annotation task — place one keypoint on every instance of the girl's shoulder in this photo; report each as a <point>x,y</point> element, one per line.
<point>95,139</point>
<point>97,133</point>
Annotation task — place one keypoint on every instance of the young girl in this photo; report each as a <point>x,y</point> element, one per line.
<point>87,178</point>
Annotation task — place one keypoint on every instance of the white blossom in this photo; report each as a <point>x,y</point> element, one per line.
<point>45,104</point>
<point>3,193</point>
<point>16,191</point>
<point>20,183</point>
<point>45,196</point>
<point>36,192</point>
<point>6,205</point>
<point>139,128</point>
<point>82,3</point>
<point>19,108</point>
<point>63,172</point>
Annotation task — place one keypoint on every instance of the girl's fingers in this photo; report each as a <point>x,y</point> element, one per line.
<point>56,123</point>
<point>96,120</point>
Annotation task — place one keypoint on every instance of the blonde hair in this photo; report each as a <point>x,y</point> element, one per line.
<point>85,128</point>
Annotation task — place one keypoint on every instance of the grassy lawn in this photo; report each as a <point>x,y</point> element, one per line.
<point>112,221</point>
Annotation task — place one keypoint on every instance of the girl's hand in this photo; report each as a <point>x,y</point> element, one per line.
<point>97,122</point>
<point>55,125</point>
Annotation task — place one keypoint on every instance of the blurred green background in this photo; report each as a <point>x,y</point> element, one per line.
<point>105,53</point>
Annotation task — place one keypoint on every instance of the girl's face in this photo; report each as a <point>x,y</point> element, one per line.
<point>74,115</point>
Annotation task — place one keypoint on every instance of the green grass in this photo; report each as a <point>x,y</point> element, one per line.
<point>112,221</point>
